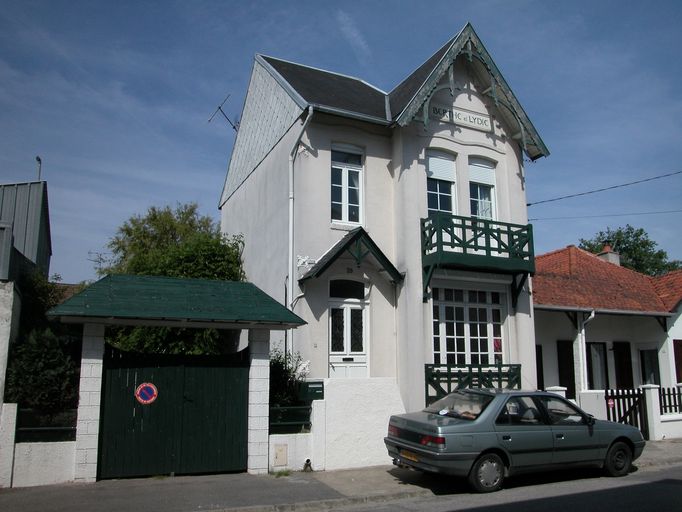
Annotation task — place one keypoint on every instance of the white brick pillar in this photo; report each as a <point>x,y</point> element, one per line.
<point>8,427</point>
<point>259,401</point>
<point>90,392</point>
<point>653,411</point>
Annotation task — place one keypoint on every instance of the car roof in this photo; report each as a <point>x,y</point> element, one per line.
<point>506,392</point>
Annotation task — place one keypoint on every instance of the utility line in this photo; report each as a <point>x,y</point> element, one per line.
<point>606,188</point>
<point>606,215</point>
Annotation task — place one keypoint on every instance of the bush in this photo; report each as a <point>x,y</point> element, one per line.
<point>287,371</point>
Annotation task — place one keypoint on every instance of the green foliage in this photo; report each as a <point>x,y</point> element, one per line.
<point>287,371</point>
<point>42,375</point>
<point>174,243</point>
<point>637,251</point>
<point>38,295</point>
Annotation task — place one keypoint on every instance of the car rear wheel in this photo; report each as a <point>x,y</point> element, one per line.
<point>618,459</point>
<point>487,473</point>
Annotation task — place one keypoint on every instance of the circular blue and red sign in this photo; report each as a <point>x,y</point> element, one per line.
<point>146,393</point>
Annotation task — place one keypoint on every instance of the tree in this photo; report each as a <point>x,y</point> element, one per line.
<point>174,243</point>
<point>637,251</point>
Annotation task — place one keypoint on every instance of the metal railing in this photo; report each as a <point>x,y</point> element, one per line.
<point>290,419</point>
<point>37,426</point>
<point>670,400</point>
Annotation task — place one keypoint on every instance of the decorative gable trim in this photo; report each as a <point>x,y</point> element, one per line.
<point>468,43</point>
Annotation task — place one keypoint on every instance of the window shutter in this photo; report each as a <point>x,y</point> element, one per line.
<point>481,171</point>
<point>440,166</point>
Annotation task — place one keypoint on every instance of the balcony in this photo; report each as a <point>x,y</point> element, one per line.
<point>467,243</point>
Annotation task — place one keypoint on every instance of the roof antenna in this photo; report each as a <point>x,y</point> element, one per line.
<point>40,166</point>
<point>234,126</point>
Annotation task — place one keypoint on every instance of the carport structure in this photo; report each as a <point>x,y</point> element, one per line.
<point>171,302</point>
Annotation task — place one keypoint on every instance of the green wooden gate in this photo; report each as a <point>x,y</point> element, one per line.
<point>196,424</point>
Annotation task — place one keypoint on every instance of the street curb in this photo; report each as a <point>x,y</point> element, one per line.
<point>330,503</point>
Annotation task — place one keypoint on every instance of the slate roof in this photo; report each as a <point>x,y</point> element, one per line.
<point>353,97</point>
<point>176,301</point>
<point>326,89</point>
<point>574,278</point>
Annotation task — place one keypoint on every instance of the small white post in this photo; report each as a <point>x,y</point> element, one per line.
<point>653,411</point>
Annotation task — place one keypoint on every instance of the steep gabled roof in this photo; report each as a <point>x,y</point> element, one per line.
<point>358,244</point>
<point>669,289</point>
<point>355,98</point>
<point>330,91</point>
<point>574,278</point>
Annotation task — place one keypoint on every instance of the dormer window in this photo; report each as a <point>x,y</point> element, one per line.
<point>346,187</point>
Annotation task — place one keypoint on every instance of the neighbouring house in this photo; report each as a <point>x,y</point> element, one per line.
<point>601,326</point>
<point>395,224</point>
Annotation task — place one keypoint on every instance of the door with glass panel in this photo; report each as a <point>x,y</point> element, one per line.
<point>347,350</point>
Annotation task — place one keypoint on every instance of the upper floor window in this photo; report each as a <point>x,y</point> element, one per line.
<point>346,187</point>
<point>440,182</point>
<point>482,188</point>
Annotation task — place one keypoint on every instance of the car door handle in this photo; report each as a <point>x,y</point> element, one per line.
<point>506,438</point>
<point>559,436</point>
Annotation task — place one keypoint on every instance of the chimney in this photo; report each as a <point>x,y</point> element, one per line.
<point>607,254</point>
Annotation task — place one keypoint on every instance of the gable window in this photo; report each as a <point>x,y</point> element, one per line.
<point>482,188</point>
<point>467,327</point>
<point>346,187</point>
<point>440,182</point>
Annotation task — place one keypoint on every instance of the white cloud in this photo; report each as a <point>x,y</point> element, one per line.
<point>352,35</point>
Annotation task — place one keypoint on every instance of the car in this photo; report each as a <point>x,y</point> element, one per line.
<point>487,435</point>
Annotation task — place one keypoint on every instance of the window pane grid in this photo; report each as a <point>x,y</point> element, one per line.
<point>346,187</point>
<point>467,327</point>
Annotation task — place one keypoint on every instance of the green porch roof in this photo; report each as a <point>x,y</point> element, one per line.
<point>175,302</point>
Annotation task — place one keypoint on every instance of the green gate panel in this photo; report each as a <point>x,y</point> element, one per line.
<point>197,424</point>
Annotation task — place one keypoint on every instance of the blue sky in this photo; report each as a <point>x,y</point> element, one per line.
<point>115,98</point>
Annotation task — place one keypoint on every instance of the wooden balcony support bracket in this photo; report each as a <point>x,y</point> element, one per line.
<point>517,284</point>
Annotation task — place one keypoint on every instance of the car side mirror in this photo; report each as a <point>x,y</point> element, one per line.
<point>590,420</point>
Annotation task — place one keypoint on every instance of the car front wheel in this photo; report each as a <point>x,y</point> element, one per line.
<point>487,473</point>
<point>618,459</point>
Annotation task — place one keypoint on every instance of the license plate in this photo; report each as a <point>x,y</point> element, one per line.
<point>409,455</point>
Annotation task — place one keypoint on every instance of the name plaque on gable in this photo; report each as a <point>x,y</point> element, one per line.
<point>460,117</point>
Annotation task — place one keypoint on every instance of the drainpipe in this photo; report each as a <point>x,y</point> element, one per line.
<point>290,266</point>
<point>582,340</point>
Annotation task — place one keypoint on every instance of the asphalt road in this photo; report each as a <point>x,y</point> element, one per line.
<point>646,490</point>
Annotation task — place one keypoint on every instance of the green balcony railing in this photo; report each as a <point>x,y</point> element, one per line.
<point>453,241</point>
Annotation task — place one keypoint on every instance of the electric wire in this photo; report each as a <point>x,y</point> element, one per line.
<point>606,215</point>
<point>605,188</point>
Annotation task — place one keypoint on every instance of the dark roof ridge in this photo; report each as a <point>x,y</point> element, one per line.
<point>321,70</point>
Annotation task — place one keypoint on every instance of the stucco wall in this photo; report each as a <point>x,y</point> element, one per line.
<point>290,451</point>
<point>43,463</point>
<point>10,307</point>
<point>642,332</point>
<point>357,414</point>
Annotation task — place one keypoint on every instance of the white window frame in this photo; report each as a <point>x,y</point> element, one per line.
<point>347,305</point>
<point>442,177</point>
<point>345,170</point>
<point>439,333</point>
<point>482,173</point>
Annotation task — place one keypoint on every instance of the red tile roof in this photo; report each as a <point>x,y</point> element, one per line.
<point>572,277</point>
<point>669,289</point>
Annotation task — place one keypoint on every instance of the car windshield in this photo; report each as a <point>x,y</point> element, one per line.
<point>460,404</point>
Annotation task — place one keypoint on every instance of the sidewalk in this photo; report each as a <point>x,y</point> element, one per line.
<point>267,493</point>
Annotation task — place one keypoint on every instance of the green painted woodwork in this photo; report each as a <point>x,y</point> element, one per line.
<point>443,379</point>
<point>198,423</point>
<point>359,245</point>
<point>467,243</point>
<point>174,300</point>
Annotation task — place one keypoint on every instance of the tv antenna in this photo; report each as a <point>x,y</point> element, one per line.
<point>234,126</point>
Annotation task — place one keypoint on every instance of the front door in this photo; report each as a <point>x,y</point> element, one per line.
<point>650,371</point>
<point>622,358</point>
<point>564,350</point>
<point>347,341</point>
